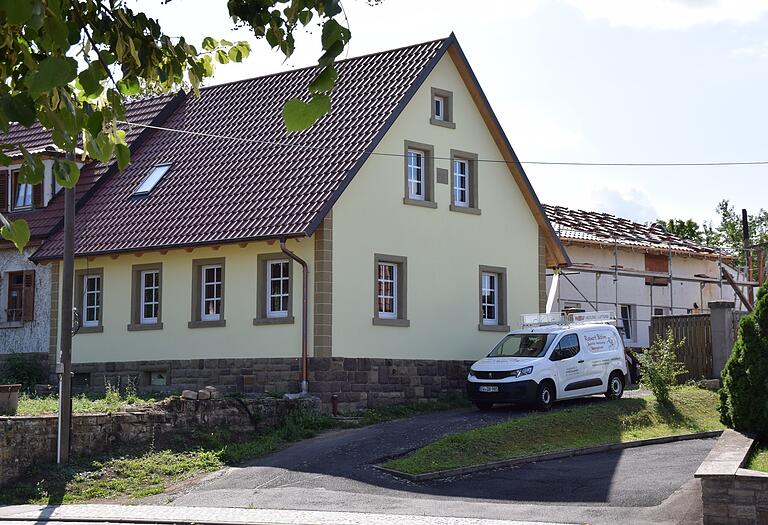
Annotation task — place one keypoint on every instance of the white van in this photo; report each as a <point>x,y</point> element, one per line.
<point>553,357</point>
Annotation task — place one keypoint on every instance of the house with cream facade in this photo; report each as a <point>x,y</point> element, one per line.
<point>392,242</point>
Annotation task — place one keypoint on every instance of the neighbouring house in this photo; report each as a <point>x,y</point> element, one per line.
<point>422,236</point>
<point>621,265</point>
<point>29,291</point>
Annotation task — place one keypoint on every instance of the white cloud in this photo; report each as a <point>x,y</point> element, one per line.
<point>670,14</point>
<point>633,203</point>
<point>758,50</point>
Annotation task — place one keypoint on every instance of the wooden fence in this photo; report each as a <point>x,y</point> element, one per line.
<point>696,353</point>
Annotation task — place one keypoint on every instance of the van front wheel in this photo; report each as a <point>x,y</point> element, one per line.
<point>615,386</point>
<point>545,396</point>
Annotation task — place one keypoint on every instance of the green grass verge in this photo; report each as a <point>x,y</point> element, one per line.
<point>112,401</point>
<point>137,473</point>
<point>759,459</point>
<point>372,416</point>
<point>691,410</point>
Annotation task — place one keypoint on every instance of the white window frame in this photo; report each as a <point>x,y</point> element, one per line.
<point>458,177</point>
<point>285,278</point>
<point>143,303</point>
<point>439,102</point>
<point>204,316</point>
<point>381,297</point>
<point>489,284</point>
<point>87,305</point>
<point>416,174</point>
<point>15,190</point>
<point>153,177</point>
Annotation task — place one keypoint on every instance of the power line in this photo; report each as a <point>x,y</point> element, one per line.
<point>498,161</point>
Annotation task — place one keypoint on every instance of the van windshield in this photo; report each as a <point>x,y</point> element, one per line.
<point>523,345</point>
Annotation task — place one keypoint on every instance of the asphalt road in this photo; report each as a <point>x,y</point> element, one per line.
<point>334,472</point>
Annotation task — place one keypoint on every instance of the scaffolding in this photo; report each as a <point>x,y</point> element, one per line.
<point>743,283</point>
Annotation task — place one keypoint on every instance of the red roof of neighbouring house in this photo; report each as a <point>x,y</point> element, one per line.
<point>44,221</point>
<point>591,227</point>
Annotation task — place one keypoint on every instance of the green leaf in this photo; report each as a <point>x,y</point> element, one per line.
<point>53,71</point>
<point>333,32</point>
<point>299,115</point>
<point>129,86</point>
<point>235,55</point>
<point>95,122</point>
<point>19,108</point>
<point>99,148</point>
<point>90,79</point>
<point>325,81</point>
<point>221,56</point>
<point>16,232</point>
<point>66,173</point>
<point>226,43</point>
<point>32,169</point>
<point>123,155</point>
<point>209,44</point>
<point>17,12</point>
<point>305,16</point>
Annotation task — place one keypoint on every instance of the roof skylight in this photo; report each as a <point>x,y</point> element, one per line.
<point>151,180</point>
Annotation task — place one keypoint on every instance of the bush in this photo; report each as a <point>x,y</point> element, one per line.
<point>744,396</point>
<point>24,369</point>
<point>659,367</point>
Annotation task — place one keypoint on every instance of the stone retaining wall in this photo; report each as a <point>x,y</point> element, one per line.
<point>28,440</point>
<point>358,382</point>
<point>731,494</point>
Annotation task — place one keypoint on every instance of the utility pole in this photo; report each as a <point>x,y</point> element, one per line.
<point>747,252</point>
<point>65,363</point>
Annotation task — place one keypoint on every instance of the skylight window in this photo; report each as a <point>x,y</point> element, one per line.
<point>151,180</point>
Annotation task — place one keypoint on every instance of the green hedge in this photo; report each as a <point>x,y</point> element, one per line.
<point>744,396</point>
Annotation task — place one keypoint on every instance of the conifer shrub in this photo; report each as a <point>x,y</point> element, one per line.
<point>744,395</point>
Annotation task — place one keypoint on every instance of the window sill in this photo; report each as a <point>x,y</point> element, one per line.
<point>493,327</point>
<point>464,209</point>
<point>378,321</point>
<point>138,327</point>
<point>11,324</point>
<point>207,324</point>
<point>90,330</point>
<point>442,123</point>
<point>423,204</point>
<point>259,321</point>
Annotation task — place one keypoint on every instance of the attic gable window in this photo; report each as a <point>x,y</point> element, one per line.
<point>151,180</point>
<point>442,108</point>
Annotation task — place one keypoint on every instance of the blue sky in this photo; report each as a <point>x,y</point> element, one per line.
<point>581,80</point>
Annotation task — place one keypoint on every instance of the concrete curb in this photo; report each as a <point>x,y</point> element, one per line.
<point>448,473</point>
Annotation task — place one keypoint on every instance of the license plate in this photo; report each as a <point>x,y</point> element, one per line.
<point>488,389</point>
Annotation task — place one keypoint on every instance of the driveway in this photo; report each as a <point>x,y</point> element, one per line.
<point>333,472</point>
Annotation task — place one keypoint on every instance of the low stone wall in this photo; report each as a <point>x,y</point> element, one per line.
<point>28,440</point>
<point>731,494</point>
<point>358,382</point>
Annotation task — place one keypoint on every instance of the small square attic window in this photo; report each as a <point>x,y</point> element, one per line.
<point>151,180</point>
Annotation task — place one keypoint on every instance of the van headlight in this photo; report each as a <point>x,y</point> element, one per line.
<point>471,373</point>
<point>522,372</point>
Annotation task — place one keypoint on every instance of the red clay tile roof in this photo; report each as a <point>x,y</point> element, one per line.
<point>601,228</point>
<point>227,190</point>
<point>44,221</point>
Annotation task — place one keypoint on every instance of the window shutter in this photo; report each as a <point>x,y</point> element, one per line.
<point>28,297</point>
<point>37,195</point>
<point>4,191</point>
<point>656,263</point>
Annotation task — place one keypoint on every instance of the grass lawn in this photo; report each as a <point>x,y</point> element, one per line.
<point>759,459</point>
<point>692,410</point>
<point>112,401</point>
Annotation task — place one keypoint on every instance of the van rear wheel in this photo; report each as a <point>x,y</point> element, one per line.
<point>615,386</point>
<point>545,396</point>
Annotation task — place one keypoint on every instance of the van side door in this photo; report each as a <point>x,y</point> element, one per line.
<point>598,346</point>
<point>567,364</point>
